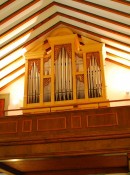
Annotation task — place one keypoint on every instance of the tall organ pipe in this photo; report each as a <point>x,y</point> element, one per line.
<point>57,80</point>
<point>70,78</point>
<point>63,79</point>
<point>63,73</point>
<point>94,78</point>
<point>33,84</point>
<point>60,78</point>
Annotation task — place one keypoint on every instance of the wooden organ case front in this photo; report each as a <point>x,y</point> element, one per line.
<point>69,76</point>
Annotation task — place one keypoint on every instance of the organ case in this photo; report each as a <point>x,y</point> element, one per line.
<point>69,75</point>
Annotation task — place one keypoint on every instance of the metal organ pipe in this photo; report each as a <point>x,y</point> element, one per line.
<point>94,78</point>
<point>33,84</point>
<point>63,79</point>
<point>70,78</point>
<point>98,80</point>
<point>29,88</point>
<point>91,79</point>
<point>37,85</point>
<point>67,77</point>
<point>89,83</point>
<point>63,73</point>
<point>60,78</point>
<point>57,80</point>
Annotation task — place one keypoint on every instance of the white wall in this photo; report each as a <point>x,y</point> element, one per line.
<point>117,82</point>
<point>16,91</point>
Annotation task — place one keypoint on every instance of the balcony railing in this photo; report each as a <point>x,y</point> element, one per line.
<point>56,108</point>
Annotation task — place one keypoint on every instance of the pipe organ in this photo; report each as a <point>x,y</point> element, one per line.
<point>69,74</point>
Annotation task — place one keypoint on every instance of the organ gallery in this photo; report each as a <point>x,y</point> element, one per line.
<point>67,74</point>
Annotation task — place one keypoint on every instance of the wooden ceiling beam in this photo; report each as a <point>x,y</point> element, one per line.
<point>95,34</point>
<point>31,29</point>
<point>11,82</point>
<point>92,15</point>
<point>66,7</point>
<point>122,2</point>
<point>117,49</point>
<point>6,4</point>
<point>103,8</point>
<point>32,40</point>
<point>94,25</point>
<point>117,63</point>
<point>19,11</point>
<point>13,72</point>
<point>28,19</point>
<point>12,62</point>
<point>69,17</point>
<point>67,25</point>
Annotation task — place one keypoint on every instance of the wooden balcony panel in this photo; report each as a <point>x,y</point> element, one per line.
<point>84,132</point>
<point>67,124</point>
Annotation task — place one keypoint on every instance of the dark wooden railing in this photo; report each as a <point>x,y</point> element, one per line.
<point>74,106</point>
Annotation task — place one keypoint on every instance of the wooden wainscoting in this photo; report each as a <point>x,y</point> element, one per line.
<point>77,142</point>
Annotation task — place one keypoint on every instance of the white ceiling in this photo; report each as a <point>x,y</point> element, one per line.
<point>24,21</point>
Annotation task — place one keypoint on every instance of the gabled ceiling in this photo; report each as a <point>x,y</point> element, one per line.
<point>26,22</point>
